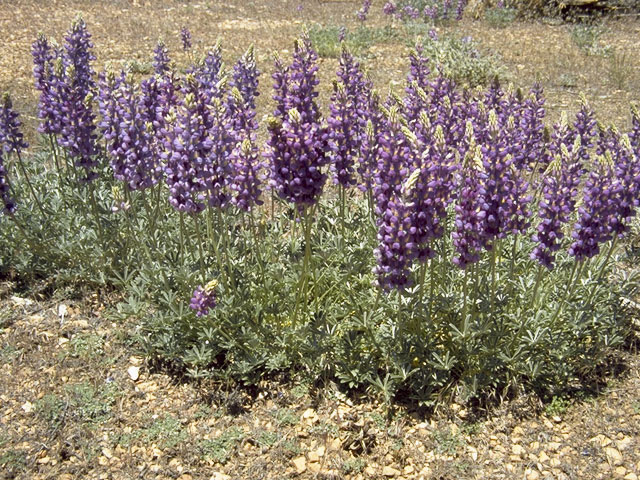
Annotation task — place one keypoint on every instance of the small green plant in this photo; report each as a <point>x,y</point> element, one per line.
<point>557,406</point>
<point>51,409</point>
<point>86,345</point>
<point>587,38</point>
<point>500,17</point>
<point>12,462</point>
<point>300,391</point>
<point>90,404</point>
<point>447,442</point>
<point>326,39</point>
<point>220,449</point>
<point>619,69</point>
<point>285,417</point>
<point>267,439</point>
<point>461,60</point>
<point>636,407</point>
<point>353,466</point>
<point>166,431</point>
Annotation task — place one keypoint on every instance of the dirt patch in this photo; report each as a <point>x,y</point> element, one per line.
<point>77,402</point>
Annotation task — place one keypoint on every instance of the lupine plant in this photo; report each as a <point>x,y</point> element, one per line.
<point>478,256</point>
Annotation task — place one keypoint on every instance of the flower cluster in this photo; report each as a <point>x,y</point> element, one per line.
<point>297,138</point>
<point>127,132</point>
<point>204,298</point>
<point>185,37</point>
<point>350,112</point>
<point>364,10</point>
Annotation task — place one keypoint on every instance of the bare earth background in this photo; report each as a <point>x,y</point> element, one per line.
<point>76,401</point>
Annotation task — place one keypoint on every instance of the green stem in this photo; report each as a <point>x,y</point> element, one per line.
<point>33,190</point>
<point>203,273</point>
<point>182,234</point>
<point>576,270</point>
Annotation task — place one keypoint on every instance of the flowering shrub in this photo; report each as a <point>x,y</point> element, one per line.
<point>478,255</point>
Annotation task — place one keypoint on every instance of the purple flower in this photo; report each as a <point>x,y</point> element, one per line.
<point>559,192</point>
<point>297,139</point>
<point>394,220</point>
<point>128,134</point>
<point>342,34</point>
<point>389,8</point>
<point>8,204</point>
<point>161,59</point>
<point>185,36</point>
<point>186,148</point>
<point>411,12</point>
<point>462,4</point>
<point>471,210</point>
<point>204,298</point>
<point>76,86</point>
<point>594,214</point>
<point>11,138</point>
<point>350,111</point>
<point>364,10</point>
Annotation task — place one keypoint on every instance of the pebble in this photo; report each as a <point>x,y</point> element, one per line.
<point>300,463</point>
<point>389,471</point>
<point>614,457</point>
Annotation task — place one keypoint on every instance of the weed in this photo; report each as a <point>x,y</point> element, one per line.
<point>267,439</point>
<point>167,432</point>
<point>500,17</point>
<point>285,417</point>
<point>300,391</point>
<point>447,442</point>
<point>558,406</point>
<point>86,346</point>
<point>90,405</point>
<point>379,420</point>
<point>461,60</point>
<point>568,80</point>
<point>353,466</point>
<point>326,39</point>
<point>220,449</point>
<point>291,447</point>
<point>12,462</point>
<point>8,352</point>
<point>636,407</point>
<point>587,38</point>
<point>51,409</point>
<point>619,69</point>
<point>324,428</point>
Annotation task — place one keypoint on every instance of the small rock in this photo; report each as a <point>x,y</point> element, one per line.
<point>543,457</point>
<point>556,419</point>
<point>313,457</point>
<point>408,470</point>
<point>620,471</point>
<point>630,476</point>
<point>185,476</point>
<point>389,471</point>
<point>370,471</point>
<point>107,453</point>
<point>300,463</point>
<point>27,407</point>
<point>532,475</point>
<point>518,450</point>
<point>220,476</point>
<point>314,467</point>
<point>320,451</point>
<point>134,372</point>
<point>601,440</point>
<point>473,453</point>
<point>614,457</point>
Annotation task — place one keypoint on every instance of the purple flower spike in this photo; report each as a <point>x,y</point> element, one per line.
<point>161,59</point>
<point>598,206</point>
<point>468,233</point>
<point>8,204</point>
<point>364,10</point>
<point>297,139</point>
<point>128,135</point>
<point>634,135</point>
<point>11,138</point>
<point>389,8</point>
<point>204,298</point>
<point>185,36</point>
<point>559,193</point>
<point>350,111</point>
